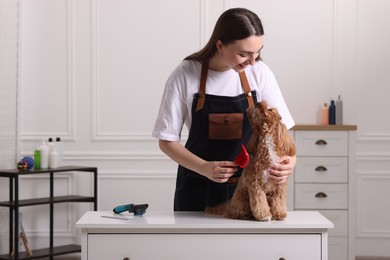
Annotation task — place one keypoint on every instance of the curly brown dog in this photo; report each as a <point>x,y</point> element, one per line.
<point>255,197</point>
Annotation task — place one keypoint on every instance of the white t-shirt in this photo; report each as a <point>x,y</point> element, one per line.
<point>183,83</point>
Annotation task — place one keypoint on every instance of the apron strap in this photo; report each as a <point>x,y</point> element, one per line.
<point>247,88</point>
<point>202,87</point>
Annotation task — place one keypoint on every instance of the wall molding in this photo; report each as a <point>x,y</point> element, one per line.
<point>136,174</point>
<point>362,176</point>
<point>114,156</point>
<point>373,137</point>
<point>128,137</point>
<point>363,83</point>
<point>204,21</point>
<point>121,137</point>
<point>71,84</point>
<point>372,157</point>
<point>227,4</point>
<point>337,55</point>
<point>69,134</point>
<point>96,134</point>
<point>95,79</point>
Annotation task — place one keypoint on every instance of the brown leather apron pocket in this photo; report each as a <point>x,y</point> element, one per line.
<point>225,126</point>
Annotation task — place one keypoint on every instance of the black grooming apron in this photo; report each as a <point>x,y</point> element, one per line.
<point>194,192</point>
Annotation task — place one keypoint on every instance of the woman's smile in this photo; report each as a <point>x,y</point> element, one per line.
<point>239,54</point>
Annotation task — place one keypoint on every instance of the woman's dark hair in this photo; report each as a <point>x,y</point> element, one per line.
<point>234,24</point>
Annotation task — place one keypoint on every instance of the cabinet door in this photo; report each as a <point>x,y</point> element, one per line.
<point>204,246</point>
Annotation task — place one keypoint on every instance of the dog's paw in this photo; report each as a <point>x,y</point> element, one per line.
<point>279,216</point>
<point>264,219</point>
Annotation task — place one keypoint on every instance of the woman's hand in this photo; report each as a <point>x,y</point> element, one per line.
<point>279,172</point>
<point>218,171</point>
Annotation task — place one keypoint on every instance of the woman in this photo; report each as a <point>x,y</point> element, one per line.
<point>209,92</point>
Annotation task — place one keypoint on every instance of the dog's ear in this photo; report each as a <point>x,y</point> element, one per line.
<point>255,117</point>
<point>275,114</point>
<point>263,107</point>
<point>249,111</point>
<point>285,142</point>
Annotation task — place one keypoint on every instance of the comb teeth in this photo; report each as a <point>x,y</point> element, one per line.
<point>243,158</point>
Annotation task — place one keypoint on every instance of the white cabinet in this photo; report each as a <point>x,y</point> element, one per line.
<point>196,235</point>
<point>322,179</point>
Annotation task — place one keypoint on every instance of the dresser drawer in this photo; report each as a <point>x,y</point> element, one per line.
<point>321,196</point>
<point>321,143</point>
<point>204,246</point>
<point>321,169</point>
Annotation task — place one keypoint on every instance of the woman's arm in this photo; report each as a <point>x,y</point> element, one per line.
<point>217,171</point>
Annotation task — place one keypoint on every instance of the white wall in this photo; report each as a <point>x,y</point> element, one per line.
<point>8,105</point>
<point>93,72</point>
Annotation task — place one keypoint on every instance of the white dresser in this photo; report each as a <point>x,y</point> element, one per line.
<point>196,235</point>
<point>323,179</point>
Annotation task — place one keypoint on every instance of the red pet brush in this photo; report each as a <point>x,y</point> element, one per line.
<point>243,158</point>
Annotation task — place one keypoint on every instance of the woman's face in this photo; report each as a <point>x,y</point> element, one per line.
<point>241,53</point>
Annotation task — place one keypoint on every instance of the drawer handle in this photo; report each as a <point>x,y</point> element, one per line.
<point>321,195</point>
<point>282,258</point>
<point>321,142</point>
<point>126,258</point>
<point>321,169</point>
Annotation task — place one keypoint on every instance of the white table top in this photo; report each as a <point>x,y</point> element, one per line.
<point>199,222</point>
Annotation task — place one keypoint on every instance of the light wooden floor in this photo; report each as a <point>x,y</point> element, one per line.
<point>372,258</point>
<point>66,257</point>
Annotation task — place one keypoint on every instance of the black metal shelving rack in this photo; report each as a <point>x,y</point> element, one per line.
<point>14,204</point>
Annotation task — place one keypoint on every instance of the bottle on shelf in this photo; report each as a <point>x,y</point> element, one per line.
<point>332,113</point>
<point>59,148</point>
<point>50,144</point>
<point>44,155</point>
<point>325,114</point>
<point>53,158</point>
<point>37,158</point>
<point>339,111</point>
